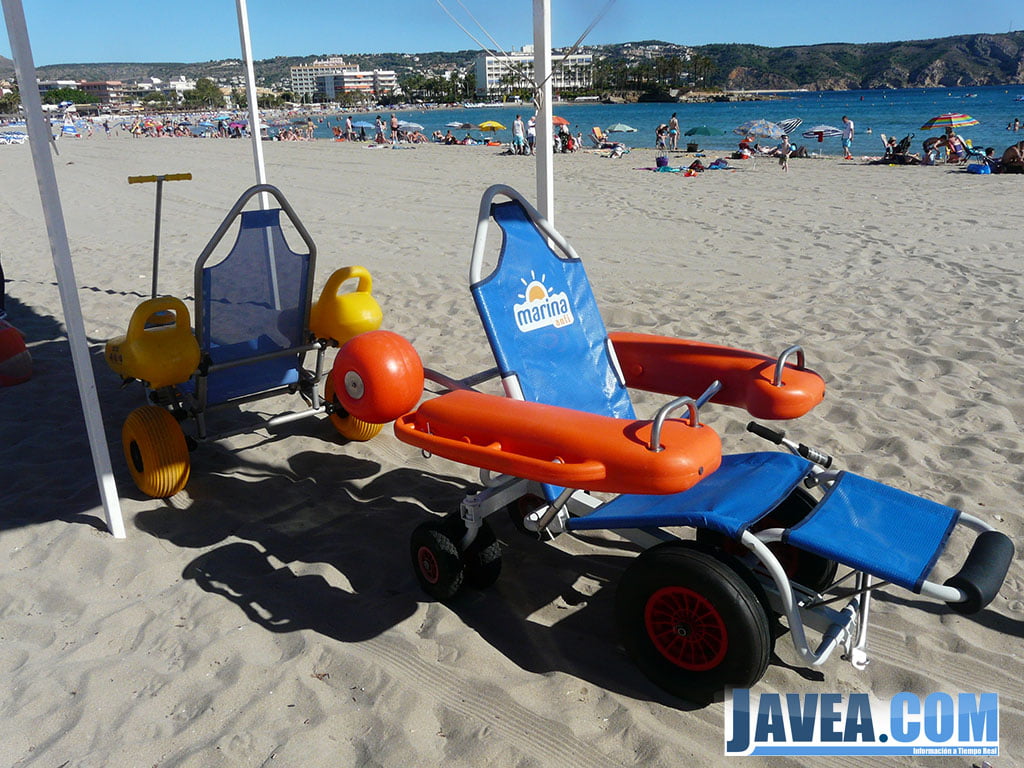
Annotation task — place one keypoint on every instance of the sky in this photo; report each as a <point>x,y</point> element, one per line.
<point>73,31</point>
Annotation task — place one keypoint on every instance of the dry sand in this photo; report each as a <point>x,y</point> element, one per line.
<point>269,614</point>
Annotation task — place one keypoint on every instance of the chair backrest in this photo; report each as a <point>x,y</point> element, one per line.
<point>540,314</point>
<point>255,301</point>
<point>597,135</point>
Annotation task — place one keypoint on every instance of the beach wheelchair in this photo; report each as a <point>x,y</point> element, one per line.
<point>772,529</point>
<point>255,325</point>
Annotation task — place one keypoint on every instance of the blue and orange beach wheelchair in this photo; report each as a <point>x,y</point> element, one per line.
<point>772,529</point>
<point>255,325</point>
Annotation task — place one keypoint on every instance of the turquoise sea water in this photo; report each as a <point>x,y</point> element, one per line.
<point>893,112</point>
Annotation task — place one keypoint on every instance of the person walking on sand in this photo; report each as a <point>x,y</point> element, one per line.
<point>394,129</point>
<point>673,131</point>
<point>785,149</point>
<point>847,138</point>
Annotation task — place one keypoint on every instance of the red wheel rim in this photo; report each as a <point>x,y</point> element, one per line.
<point>428,564</point>
<point>686,628</point>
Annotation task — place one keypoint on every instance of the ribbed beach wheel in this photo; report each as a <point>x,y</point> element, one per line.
<point>156,452</point>
<point>348,426</point>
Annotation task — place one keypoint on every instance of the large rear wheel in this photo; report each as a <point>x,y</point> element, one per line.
<point>156,451</point>
<point>690,623</point>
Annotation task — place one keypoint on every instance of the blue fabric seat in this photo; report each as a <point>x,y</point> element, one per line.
<point>877,529</point>
<point>255,301</point>
<point>745,488</point>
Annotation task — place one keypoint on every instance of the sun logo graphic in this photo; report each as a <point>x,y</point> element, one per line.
<point>541,307</point>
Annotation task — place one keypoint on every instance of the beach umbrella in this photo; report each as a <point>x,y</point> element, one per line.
<point>363,124</point>
<point>410,126</point>
<point>790,124</point>
<point>761,129</point>
<point>556,120</point>
<point>949,120</point>
<point>822,132</point>
<point>702,130</point>
<point>620,128</point>
<point>491,125</point>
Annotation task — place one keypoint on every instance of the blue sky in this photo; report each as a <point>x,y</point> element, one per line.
<point>73,31</point>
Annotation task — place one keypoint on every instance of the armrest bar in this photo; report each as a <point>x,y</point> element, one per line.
<point>795,349</point>
<point>663,413</point>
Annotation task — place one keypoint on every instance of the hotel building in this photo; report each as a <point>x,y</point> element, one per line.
<point>499,75</point>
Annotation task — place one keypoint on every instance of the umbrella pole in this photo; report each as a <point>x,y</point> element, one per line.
<point>542,96</point>
<point>49,194</point>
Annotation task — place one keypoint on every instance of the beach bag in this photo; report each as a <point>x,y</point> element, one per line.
<point>661,161</point>
<point>978,168</point>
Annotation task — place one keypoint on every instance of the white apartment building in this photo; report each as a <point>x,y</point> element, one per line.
<point>498,75</point>
<point>369,85</point>
<point>331,77</point>
<point>303,76</point>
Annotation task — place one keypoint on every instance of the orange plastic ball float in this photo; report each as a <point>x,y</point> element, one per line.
<point>378,376</point>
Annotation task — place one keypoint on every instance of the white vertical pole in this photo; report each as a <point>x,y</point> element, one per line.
<point>255,128</point>
<point>545,131</point>
<point>46,180</point>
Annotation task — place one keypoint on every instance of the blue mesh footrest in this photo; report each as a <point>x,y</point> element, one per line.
<point>880,530</point>
<point>745,488</point>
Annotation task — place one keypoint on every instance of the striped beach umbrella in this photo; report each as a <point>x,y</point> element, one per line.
<point>949,120</point>
<point>790,124</point>
<point>822,132</point>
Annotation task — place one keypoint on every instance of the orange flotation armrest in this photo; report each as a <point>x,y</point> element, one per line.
<point>550,444</point>
<point>680,367</point>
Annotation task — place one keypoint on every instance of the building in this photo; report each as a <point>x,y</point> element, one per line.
<point>497,76</point>
<point>367,86</point>
<point>304,76</point>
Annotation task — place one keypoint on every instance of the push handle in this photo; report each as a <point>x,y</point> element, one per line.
<point>779,438</point>
<point>161,177</point>
<point>340,276</point>
<point>148,308</point>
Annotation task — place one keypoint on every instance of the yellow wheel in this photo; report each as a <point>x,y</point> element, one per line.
<point>155,449</point>
<point>348,426</point>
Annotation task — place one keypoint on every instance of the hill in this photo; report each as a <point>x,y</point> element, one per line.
<point>962,60</point>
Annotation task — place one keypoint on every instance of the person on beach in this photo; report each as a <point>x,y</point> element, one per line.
<point>531,135</point>
<point>784,149</point>
<point>673,131</point>
<point>1012,160</point>
<point>395,135</point>
<point>518,136</point>
<point>659,136</point>
<point>349,133</point>
<point>847,138</point>
<point>379,125</point>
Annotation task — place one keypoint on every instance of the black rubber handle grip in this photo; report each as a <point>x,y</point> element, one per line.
<point>774,436</point>
<point>983,571</point>
<point>813,454</point>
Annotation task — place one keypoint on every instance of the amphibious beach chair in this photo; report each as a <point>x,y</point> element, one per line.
<point>255,325</point>
<point>771,528</point>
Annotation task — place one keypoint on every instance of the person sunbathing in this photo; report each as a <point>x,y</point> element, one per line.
<point>1012,160</point>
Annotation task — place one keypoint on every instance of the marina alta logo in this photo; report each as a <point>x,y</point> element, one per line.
<point>541,306</point>
<point>794,724</point>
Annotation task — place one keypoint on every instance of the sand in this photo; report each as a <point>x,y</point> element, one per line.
<point>269,614</point>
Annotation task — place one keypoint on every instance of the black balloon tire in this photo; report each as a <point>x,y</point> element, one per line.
<point>436,560</point>
<point>691,623</point>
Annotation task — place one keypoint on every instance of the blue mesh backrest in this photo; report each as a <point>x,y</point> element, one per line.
<point>257,293</point>
<point>543,324</point>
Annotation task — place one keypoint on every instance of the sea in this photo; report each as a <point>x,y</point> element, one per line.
<point>899,113</point>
